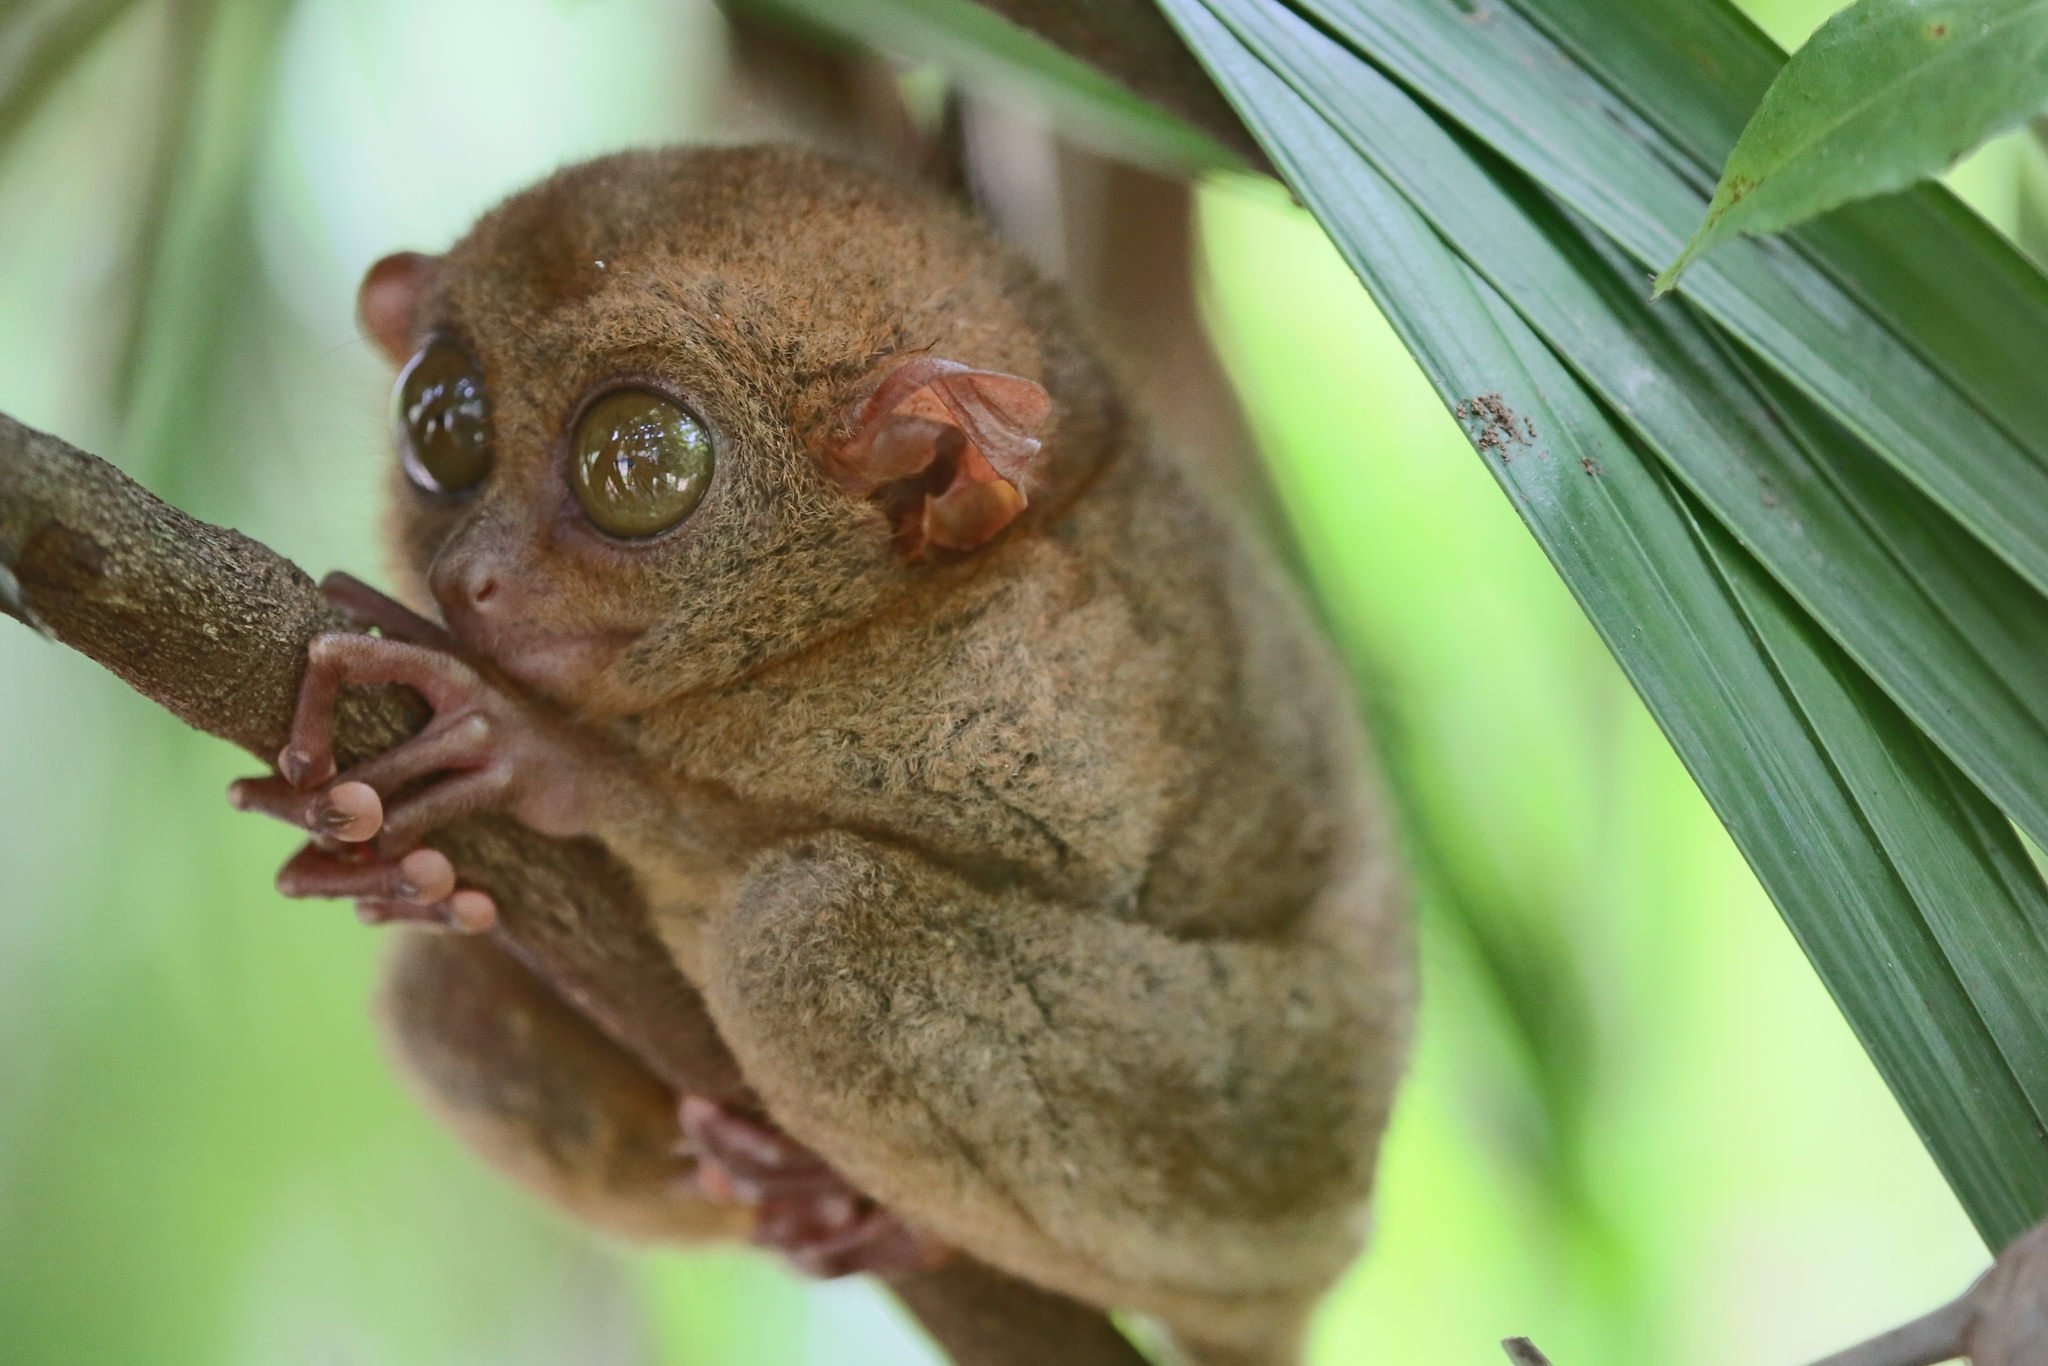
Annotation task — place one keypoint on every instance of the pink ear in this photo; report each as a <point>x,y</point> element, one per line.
<point>388,297</point>
<point>947,448</point>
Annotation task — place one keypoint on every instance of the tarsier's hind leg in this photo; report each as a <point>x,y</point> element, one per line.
<point>541,1093</point>
<point>552,1102</point>
<point>1177,1126</point>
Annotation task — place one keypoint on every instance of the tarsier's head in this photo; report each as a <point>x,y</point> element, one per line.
<point>669,416</point>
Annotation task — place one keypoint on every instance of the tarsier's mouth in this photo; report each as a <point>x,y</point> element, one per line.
<point>564,666</point>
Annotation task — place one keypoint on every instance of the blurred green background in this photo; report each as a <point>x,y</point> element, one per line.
<point>1636,1130</point>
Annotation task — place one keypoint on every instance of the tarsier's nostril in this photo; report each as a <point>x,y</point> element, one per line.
<point>467,582</point>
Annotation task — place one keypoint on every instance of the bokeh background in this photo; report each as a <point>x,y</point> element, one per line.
<point>1636,1130</point>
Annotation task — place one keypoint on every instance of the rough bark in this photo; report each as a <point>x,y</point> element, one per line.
<point>213,626</point>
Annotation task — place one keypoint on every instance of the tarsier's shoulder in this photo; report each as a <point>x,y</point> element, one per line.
<point>1140,680</point>
<point>1281,799</point>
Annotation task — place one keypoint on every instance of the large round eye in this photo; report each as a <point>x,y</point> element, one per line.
<point>640,463</point>
<point>444,420</point>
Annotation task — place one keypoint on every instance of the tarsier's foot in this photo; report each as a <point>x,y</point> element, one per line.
<point>807,1211</point>
<point>479,752</point>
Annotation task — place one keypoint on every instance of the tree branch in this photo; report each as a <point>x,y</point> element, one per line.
<point>2002,1320</point>
<point>213,626</point>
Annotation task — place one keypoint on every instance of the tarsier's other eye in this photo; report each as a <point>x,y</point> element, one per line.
<point>640,463</point>
<point>444,420</point>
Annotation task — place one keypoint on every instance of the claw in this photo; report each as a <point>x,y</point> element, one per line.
<point>302,769</point>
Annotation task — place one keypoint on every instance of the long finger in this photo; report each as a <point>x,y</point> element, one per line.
<point>441,678</point>
<point>421,878</point>
<point>438,749</point>
<point>347,811</point>
<point>367,607</point>
<point>410,820</point>
<point>307,759</point>
<point>469,911</point>
<point>743,1145</point>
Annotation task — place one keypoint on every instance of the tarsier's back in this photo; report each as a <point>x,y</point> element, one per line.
<point>987,780</point>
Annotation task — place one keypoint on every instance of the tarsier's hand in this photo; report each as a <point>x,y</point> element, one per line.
<point>485,749</point>
<point>806,1211</point>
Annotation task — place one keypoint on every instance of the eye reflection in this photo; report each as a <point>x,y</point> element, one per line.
<point>640,463</point>
<point>443,419</point>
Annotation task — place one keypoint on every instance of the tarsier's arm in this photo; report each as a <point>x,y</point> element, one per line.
<point>487,748</point>
<point>525,1079</point>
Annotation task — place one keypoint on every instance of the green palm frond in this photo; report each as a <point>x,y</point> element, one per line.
<point>1800,508</point>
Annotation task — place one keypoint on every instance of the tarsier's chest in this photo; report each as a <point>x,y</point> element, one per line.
<point>1031,737</point>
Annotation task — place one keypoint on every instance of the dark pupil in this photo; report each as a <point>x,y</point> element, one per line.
<point>445,419</point>
<point>642,463</point>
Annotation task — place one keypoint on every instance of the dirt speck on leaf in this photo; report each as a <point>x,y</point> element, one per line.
<point>1499,427</point>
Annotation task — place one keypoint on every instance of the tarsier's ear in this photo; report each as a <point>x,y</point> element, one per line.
<point>387,297</point>
<point>944,448</point>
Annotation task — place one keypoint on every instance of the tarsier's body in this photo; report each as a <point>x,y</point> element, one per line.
<point>1020,849</point>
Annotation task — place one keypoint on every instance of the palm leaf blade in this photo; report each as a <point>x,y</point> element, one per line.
<point>1825,528</point>
<point>1834,856</point>
<point>1520,94</point>
<point>1934,273</point>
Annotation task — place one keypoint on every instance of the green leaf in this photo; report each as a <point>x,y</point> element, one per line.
<point>1936,277</point>
<point>1903,882</point>
<point>987,49</point>
<point>1886,93</point>
<point>1530,102</point>
<point>1938,621</point>
<point>1978,895</point>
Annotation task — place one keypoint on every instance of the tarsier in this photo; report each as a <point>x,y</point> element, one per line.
<point>786,536</point>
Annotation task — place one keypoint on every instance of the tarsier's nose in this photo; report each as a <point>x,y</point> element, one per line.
<point>470,590</point>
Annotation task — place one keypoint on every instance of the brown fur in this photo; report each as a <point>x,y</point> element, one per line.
<point>1041,889</point>
<point>541,1092</point>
